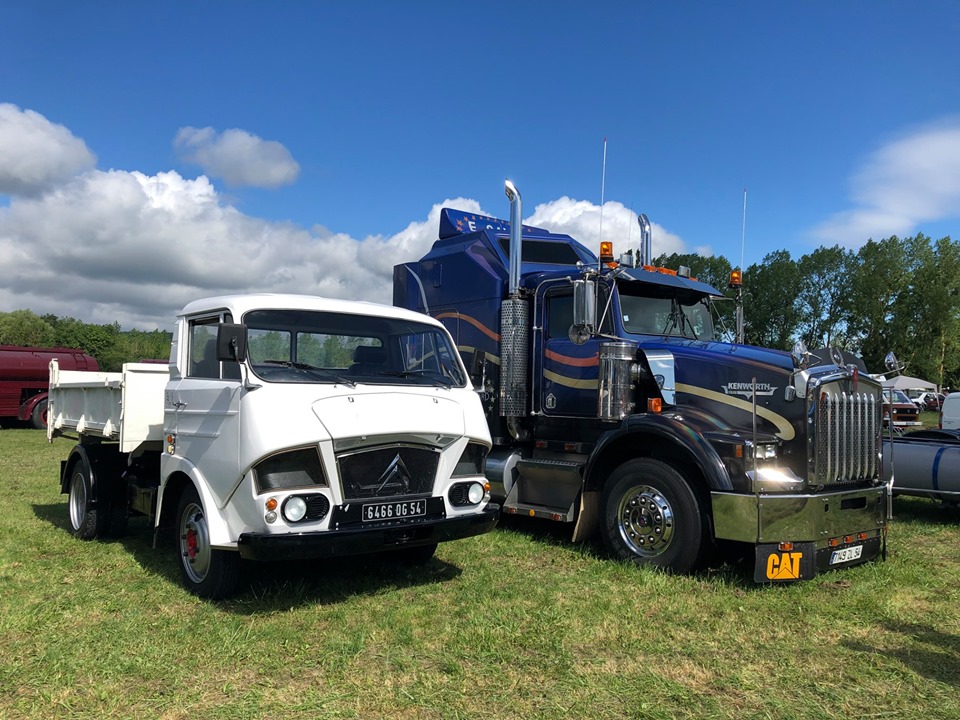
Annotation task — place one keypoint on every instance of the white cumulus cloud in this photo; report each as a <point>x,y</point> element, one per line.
<point>240,158</point>
<point>911,180</point>
<point>582,220</point>
<point>36,154</point>
<point>126,247</point>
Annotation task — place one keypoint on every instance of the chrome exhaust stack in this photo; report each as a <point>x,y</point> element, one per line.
<point>516,231</point>
<point>514,321</point>
<point>646,241</point>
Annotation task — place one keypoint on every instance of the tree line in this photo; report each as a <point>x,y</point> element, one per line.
<point>895,294</point>
<point>108,344</point>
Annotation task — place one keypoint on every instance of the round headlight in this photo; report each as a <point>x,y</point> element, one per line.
<point>294,509</point>
<point>475,493</point>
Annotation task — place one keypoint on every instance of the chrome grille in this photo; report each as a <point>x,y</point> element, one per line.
<point>388,471</point>
<point>846,436</point>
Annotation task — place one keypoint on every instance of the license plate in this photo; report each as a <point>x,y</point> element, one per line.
<point>393,510</point>
<point>846,554</point>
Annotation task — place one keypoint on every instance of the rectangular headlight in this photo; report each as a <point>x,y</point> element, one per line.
<point>471,461</point>
<point>292,469</point>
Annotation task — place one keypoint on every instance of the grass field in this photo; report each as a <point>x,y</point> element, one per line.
<point>514,624</point>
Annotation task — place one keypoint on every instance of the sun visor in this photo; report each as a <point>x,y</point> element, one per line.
<point>663,279</point>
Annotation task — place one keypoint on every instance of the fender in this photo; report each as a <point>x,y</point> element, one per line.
<point>217,525</point>
<point>101,463</point>
<point>26,409</point>
<point>663,429</point>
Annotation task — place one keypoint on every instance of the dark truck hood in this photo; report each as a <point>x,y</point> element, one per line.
<point>717,379</point>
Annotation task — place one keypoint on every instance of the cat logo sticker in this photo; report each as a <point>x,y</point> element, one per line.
<point>784,566</point>
<point>795,562</point>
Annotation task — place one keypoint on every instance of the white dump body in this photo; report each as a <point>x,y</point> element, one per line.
<point>125,406</point>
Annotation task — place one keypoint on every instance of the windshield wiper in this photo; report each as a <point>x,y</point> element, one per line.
<point>438,380</point>
<point>312,368</point>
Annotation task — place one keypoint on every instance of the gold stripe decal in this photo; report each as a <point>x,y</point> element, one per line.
<point>571,382</point>
<point>784,428</point>
<point>473,321</point>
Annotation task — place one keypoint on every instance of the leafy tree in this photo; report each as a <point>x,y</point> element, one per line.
<point>772,313</point>
<point>22,327</point>
<point>931,311</point>
<point>824,297</point>
<point>878,286</point>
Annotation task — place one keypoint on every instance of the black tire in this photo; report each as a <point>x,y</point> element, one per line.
<point>207,573</point>
<point>38,418</point>
<point>87,519</point>
<point>652,516</point>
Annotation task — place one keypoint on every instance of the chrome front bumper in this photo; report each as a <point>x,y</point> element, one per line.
<point>798,518</point>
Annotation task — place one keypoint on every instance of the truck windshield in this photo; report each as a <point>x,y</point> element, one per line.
<point>667,313</point>
<point>320,347</point>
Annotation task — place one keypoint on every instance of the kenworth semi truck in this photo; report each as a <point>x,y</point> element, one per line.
<point>285,427</point>
<point>613,406</point>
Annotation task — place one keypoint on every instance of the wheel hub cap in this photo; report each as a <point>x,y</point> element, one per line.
<point>645,521</point>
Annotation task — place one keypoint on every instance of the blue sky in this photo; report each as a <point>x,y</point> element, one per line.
<point>154,153</point>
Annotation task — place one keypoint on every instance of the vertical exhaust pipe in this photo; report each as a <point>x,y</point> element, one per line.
<point>516,230</point>
<point>646,241</point>
<point>514,323</point>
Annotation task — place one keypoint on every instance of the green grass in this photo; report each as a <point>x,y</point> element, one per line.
<point>514,624</point>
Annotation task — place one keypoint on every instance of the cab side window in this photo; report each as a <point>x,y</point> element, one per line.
<point>203,351</point>
<point>559,315</point>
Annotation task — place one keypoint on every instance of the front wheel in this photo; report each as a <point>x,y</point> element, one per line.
<point>652,516</point>
<point>206,572</point>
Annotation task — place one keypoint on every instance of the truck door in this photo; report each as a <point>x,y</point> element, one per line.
<point>567,373</point>
<point>207,408</point>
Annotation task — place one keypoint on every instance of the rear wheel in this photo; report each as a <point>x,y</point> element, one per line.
<point>653,517</point>
<point>87,519</point>
<point>207,572</point>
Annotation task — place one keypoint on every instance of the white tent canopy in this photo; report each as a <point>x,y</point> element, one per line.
<point>905,382</point>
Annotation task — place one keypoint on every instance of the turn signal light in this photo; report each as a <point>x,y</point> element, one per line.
<point>272,504</point>
<point>654,405</point>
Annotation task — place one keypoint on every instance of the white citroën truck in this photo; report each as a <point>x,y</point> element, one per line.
<point>284,427</point>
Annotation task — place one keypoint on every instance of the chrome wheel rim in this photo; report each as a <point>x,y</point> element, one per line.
<point>78,500</point>
<point>194,543</point>
<point>645,521</point>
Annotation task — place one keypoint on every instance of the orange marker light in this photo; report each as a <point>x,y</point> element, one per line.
<point>654,405</point>
<point>272,504</point>
<point>606,251</point>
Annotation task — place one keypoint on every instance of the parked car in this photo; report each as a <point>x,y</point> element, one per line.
<point>926,463</point>
<point>904,412</point>
<point>950,412</point>
<point>929,401</point>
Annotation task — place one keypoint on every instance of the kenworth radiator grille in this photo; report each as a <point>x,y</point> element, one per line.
<point>388,471</point>
<point>847,437</point>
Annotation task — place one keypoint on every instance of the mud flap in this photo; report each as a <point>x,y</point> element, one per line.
<point>774,565</point>
<point>588,516</point>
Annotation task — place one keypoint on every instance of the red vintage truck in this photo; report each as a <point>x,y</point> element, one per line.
<point>24,375</point>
